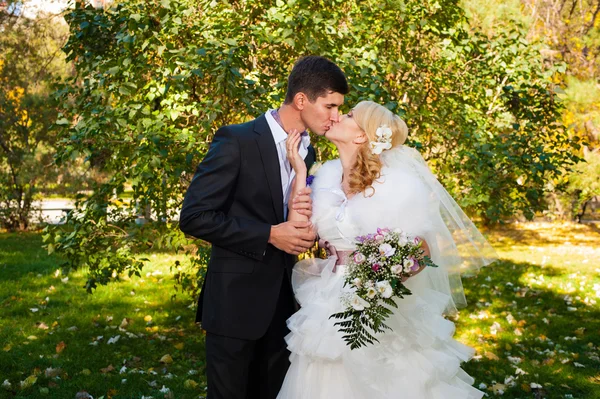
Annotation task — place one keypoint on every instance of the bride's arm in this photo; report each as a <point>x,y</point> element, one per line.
<point>299,183</point>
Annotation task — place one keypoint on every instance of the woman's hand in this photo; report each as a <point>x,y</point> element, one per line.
<point>296,161</point>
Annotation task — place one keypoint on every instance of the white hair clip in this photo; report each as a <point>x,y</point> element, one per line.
<point>383,141</point>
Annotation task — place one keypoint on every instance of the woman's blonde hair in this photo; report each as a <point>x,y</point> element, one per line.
<point>369,116</point>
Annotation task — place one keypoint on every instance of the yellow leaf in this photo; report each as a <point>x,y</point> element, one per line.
<point>167,359</point>
<point>498,387</point>
<point>86,372</point>
<point>7,348</point>
<point>179,346</point>
<point>190,384</point>
<point>580,331</point>
<point>507,347</point>
<point>148,318</point>
<point>548,362</point>
<point>32,338</point>
<point>28,382</point>
<point>491,356</point>
<point>526,387</point>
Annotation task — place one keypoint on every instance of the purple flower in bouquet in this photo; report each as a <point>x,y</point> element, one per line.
<point>309,180</point>
<point>376,267</point>
<point>382,231</point>
<point>415,265</point>
<point>417,240</point>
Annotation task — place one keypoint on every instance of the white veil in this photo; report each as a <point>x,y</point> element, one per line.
<point>457,247</point>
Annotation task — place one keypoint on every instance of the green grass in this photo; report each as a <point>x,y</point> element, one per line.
<point>29,280</point>
<point>524,293</point>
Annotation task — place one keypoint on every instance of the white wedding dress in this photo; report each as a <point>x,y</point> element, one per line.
<point>419,359</point>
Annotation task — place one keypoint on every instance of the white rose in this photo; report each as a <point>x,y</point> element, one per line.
<point>384,288</point>
<point>357,282</point>
<point>371,292</point>
<point>397,269</point>
<point>358,303</point>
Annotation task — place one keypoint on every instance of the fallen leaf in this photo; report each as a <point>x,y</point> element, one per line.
<point>498,388</point>
<point>548,362</point>
<point>86,372</point>
<point>491,356</point>
<point>107,369</point>
<point>60,347</point>
<point>28,382</point>
<point>190,384</point>
<point>167,359</point>
<point>7,348</point>
<point>51,373</point>
<point>42,326</point>
<point>179,346</point>
<point>126,321</point>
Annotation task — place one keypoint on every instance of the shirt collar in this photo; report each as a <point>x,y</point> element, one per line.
<point>278,133</point>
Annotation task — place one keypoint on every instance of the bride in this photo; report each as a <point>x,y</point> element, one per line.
<point>379,183</point>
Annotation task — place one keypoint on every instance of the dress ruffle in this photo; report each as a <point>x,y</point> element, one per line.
<point>418,359</point>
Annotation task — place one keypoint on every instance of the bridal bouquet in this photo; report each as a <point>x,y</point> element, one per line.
<point>375,273</point>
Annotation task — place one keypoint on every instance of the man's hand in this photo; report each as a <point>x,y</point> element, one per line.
<point>293,237</point>
<point>302,202</point>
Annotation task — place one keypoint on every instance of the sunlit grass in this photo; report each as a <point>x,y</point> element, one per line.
<point>534,316</point>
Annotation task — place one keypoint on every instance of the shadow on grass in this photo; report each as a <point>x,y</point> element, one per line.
<point>76,329</point>
<point>535,340</point>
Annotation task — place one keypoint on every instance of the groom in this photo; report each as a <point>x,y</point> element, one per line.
<point>237,201</point>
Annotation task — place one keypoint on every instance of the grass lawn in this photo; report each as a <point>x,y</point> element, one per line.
<point>533,318</point>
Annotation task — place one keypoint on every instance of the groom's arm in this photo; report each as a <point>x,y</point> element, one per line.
<point>202,215</point>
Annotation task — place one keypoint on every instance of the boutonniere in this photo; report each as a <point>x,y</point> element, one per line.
<point>312,172</point>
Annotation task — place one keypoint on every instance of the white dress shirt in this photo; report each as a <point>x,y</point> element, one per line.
<point>287,173</point>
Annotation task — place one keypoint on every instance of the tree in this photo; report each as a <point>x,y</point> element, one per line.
<point>155,80</point>
<point>30,60</point>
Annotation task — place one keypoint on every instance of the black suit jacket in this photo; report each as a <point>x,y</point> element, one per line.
<point>232,202</point>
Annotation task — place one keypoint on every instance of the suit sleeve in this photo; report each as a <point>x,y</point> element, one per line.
<point>203,214</point>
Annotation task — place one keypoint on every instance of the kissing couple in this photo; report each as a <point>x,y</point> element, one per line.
<point>267,317</point>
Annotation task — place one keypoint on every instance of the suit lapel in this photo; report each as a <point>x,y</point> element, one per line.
<point>270,160</point>
<point>311,158</point>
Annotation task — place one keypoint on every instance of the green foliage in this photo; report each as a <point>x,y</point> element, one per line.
<point>155,80</point>
<point>30,59</point>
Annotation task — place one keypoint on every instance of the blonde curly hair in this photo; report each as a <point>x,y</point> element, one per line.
<point>369,116</point>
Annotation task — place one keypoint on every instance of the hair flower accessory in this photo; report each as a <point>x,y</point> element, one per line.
<point>383,140</point>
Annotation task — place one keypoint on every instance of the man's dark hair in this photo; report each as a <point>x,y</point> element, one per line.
<point>315,76</point>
